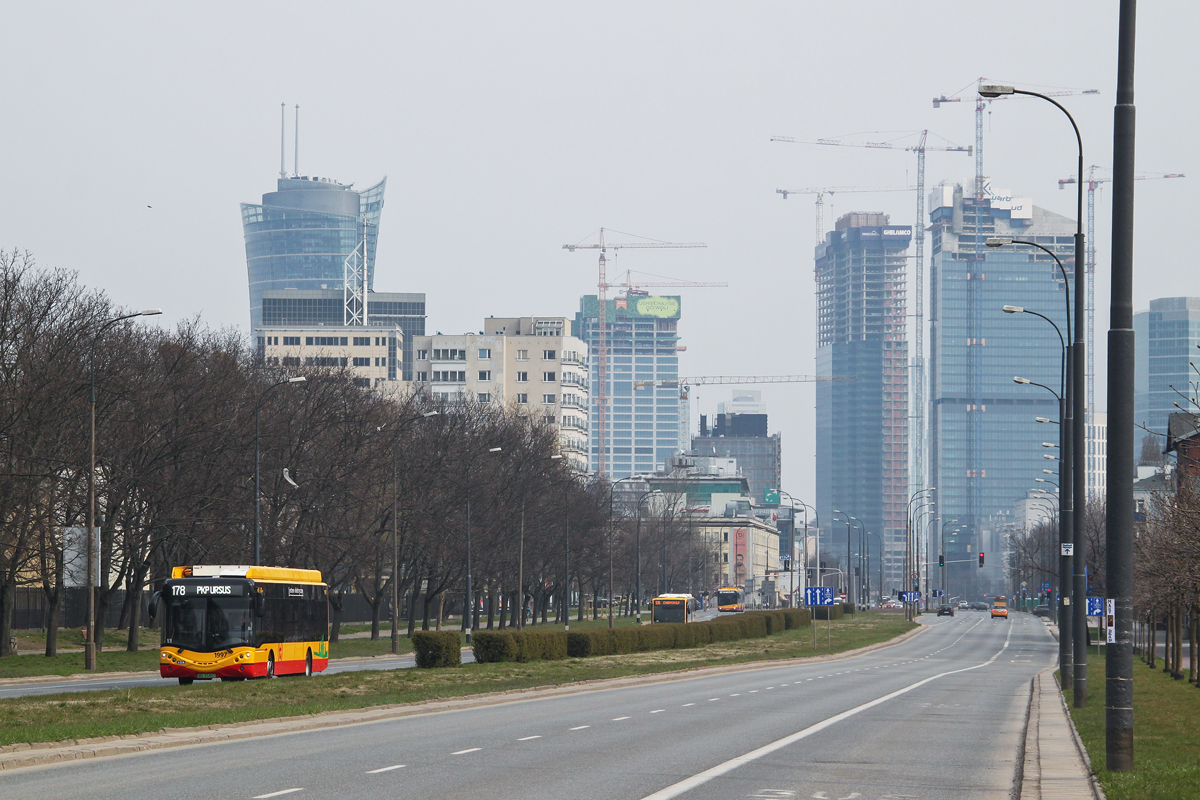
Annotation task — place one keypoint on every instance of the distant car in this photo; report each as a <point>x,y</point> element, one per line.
<point>945,611</point>
<point>1041,611</point>
<point>999,611</point>
<point>979,606</point>
<point>963,604</point>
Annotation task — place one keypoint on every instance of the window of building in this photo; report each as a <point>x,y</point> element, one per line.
<point>362,341</point>
<point>522,377</point>
<point>522,355</point>
<point>449,354</point>
<point>291,361</point>
<point>326,341</point>
<point>362,362</point>
<point>449,376</point>
<point>483,397</point>
<point>548,419</point>
<point>485,374</point>
<point>549,355</point>
<point>422,376</point>
<point>291,341</point>
<point>549,399</point>
<point>549,377</point>
<point>485,353</point>
<point>522,398</point>
<point>422,355</point>
<point>325,361</point>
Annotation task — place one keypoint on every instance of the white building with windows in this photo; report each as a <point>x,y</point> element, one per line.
<point>1097,454</point>
<point>373,352</point>
<point>531,363</point>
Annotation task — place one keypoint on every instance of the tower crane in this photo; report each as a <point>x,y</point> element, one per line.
<point>918,384</point>
<point>710,380</point>
<point>602,287</point>
<point>820,193</point>
<point>1090,266</point>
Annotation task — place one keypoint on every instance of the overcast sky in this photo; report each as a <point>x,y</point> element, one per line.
<point>132,131</point>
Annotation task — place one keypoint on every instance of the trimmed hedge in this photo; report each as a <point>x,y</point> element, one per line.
<point>494,646</point>
<point>436,649</point>
<point>828,612</point>
<point>847,608</point>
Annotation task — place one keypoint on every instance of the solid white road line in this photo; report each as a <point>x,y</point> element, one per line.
<point>468,750</point>
<point>276,794</point>
<point>707,775</point>
<point>384,769</point>
<point>527,738</point>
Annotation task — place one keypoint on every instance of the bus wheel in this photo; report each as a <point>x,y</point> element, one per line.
<point>308,665</point>
<point>186,681</point>
<point>270,666</point>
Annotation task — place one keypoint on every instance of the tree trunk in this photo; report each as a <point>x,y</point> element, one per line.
<point>441,607</point>
<point>428,601</point>
<point>412,612</point>
<point>491,606</point>
<point>1192,643</point>
<point>376,611</point>
<point>1177,673</point>
<point>518,607</point>
<point>135,616</point>
<point>1152,641</point>
<point>502,596</point>
<point>579,618</point>
<point>336,604</point>
<point>8,598</point>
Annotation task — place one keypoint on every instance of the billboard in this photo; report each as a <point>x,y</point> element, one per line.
<point>740,558</point>
<point>635,307</point>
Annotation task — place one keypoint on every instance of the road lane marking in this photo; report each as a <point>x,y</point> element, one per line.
<point>711,699</point>
<point>685,705</point>
<point>701,778</point>
<point>468,750</point>
<point>579,727</point>
<point>384,769</point>
<point>754,691</point>
<point>736,694</point>
<point>276,794</point>
<point>618,719</point>
<point>658,711</point>
<point>527,738</point>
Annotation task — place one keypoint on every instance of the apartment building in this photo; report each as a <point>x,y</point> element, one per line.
<point>370,351</point>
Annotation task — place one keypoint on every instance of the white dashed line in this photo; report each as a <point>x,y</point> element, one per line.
<point>754,691</point>
<point>276,794</point>
<point>384,769</point>
<point>736,694</point>
<point>579,727</point>
<point>658,711</point>
<point>618,719</point>
<point>468,750</point>
<point>685,705</point>
<point>711,699</point>
<point>527,738</point>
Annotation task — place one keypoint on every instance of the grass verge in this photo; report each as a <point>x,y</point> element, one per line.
<point>62,717</point>
<point>1166,740</point>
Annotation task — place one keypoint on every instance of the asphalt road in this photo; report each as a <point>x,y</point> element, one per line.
<point>937,716</point>
<point>140,679</point>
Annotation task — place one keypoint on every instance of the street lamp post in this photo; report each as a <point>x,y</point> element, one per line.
<point>469,596</point>
<point>611,494</point>
<point>89,647</point>
<point>908,541</point>
<point>521,545</point>
<point>1077,395</point>
<point>257,458</point>
<point>638,570</point>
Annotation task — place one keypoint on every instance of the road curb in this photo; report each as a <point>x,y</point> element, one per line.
<point>19,756</point>
<point>1050,767</point>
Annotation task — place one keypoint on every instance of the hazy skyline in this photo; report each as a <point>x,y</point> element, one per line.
<point>135,130</point>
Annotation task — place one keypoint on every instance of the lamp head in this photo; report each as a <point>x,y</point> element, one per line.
<point>428,414</point>
<point>1013,310</point>
<point>150,312</point>
<point>998,241</point>
<point>300,379</point>
<point>1020,380</point>
<point>995,89</point>
<point>1048,444</point>
<point>1048,471</point>
<point>1042,419</point>
<point>495,449</point>
<point>1049,457</point>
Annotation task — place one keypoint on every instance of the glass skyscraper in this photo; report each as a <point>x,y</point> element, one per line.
<point>646,425</point>
<point>301,234</point>
<point>862,424</point>
<point>985,443</point>
<point>1165,339</point>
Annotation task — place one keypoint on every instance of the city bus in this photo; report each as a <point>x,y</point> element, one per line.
<point>673,608</point>
<point>731,598</point>
<point>238,622</point>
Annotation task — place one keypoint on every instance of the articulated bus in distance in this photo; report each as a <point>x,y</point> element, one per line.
<point>673,608</point>
<point>237,622</point>
<point>731,599</point>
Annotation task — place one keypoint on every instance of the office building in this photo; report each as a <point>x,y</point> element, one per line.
<point>985,443</point>
<point>371,353</point>
<point>862,424</point>
<point>532,364</point>
<point>1165,338</point>
<point>301,235</point>
<point>743,436</point>
<point>1097,454</point>
<point>646,424</point>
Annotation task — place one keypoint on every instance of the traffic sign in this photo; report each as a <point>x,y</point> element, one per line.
<point>939,592</point>
<point>818,596</point>
<point>1095,606</point>
<point>1045,586</point>
<point>1068,548</point>
<point>911,597</point>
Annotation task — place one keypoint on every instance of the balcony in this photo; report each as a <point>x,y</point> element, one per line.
<point>572,379</point>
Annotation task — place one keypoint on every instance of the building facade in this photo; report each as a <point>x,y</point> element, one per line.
<point>370,353</point>
<point>862,424</point>
<point>1097,454</point>
<point>646,424</point>
<point>532,364</point>
<point>985,443</point>
<point>300,236</point>
<point>1165,338</point>
<point>743,437</point>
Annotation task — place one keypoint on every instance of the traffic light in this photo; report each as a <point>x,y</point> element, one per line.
<point>981,559</point>
<point>941,561</point>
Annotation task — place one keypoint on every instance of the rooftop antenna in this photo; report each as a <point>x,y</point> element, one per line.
<point>296,147</point>
<point>282,140</point>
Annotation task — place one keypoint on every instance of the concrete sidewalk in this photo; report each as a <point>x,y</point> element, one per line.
<point>1055,765</point>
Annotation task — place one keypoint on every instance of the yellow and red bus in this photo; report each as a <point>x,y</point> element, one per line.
<point>731,599</point>
<point>238,622</point>
<point>672,608</point>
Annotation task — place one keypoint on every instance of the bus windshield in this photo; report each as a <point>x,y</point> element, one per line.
<point>674,610</point>
<point>728,598</point>
<point>208,624</point>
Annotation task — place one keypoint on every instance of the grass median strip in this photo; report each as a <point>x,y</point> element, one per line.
<point>67,717</point>
<point>1166,741</point>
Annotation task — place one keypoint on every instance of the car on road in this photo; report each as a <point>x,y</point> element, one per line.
<point>945,611</point>
<point>1000,608</point>
<point>963,604</point>
<point>1041,611</point>
<point>977,606</point>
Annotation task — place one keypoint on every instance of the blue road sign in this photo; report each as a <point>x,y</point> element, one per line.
<point>911,597</point>
<point>1045,586</point>
<point>939,593</point>
<point>818,596</point>
<point>1095,606</point>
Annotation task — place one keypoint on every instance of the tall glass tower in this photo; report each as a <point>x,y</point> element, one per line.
<point>1166,337</point>
<point>646,425</point>
<point>300,236</point>
<point>985,443</point>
